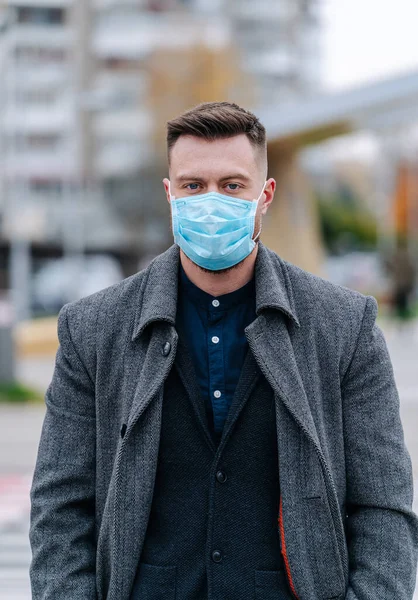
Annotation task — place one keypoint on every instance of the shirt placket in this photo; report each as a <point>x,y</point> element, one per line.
<point>215,345</point>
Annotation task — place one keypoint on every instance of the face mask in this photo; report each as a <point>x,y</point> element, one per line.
<point>214,230</point>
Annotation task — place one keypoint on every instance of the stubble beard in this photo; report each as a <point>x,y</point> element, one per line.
<point>258,225</point>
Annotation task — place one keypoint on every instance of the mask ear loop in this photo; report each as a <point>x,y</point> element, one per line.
<point>258,199</point>
<point>169,191</point>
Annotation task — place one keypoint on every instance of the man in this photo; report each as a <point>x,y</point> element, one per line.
<point>222,424</point>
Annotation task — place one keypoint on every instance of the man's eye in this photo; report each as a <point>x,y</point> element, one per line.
<point>193,186</point>
<point>233,186</point>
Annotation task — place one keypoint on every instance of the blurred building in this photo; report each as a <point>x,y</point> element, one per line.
<point>45,151</point>
<point>87,87</point>
<point>280,46</point>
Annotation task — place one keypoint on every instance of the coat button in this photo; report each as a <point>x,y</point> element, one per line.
<point>221,476</point>
<point>166,349</point>
<point>216,556</point>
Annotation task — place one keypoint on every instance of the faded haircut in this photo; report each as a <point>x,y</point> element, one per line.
<point>216,120</point>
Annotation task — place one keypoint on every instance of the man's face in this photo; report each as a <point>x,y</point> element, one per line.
<point>228,166</point>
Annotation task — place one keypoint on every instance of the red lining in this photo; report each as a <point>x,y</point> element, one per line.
<point>284,553</point>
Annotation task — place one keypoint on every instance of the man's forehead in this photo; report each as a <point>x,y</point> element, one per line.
<point>190,147</point>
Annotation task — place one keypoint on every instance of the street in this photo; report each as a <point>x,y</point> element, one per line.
<point>20,430</point>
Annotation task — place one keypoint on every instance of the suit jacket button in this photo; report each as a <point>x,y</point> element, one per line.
<point>221,476</point>
<point>216,556</point>
<point>166,349</point>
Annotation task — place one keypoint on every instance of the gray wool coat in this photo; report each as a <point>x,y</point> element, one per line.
<point>345,473</point>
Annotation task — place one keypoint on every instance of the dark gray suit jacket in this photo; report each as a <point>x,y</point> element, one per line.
<point>345,473</point>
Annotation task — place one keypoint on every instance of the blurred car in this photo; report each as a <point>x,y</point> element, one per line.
<point>361,271</point>
<point>66,279</point>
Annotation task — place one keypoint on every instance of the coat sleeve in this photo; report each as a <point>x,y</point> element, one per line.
<point>382,530</point>
<point>62,494</point>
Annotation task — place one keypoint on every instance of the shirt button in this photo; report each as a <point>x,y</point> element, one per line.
<point>216,556</point>
<point>217,394</point>
<point>215,302</point>
<point>215,339</point>
<point>221,476</point>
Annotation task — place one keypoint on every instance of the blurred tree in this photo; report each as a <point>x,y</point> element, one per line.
<point>181,78</point>
<point>346,225</point>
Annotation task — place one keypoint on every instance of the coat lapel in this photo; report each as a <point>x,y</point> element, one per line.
<point>136,463</point>
<point>269,339</point>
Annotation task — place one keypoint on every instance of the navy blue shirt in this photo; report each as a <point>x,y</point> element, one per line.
<point>213,330</point>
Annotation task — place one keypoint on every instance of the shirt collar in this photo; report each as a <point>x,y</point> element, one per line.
<point>156,287</point>
<point>226,301</point>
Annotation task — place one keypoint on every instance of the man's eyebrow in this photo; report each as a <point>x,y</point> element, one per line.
<point>236,176</point>
<point>188,177</point>
<point>191,177</point>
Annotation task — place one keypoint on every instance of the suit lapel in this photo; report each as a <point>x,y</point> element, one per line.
<point>248,377</point>
<point>187,372</point>
<point>247,380</point>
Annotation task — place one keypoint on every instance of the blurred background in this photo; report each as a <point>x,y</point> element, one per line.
<point>86,89</point>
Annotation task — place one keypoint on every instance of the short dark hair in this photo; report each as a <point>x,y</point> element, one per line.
<point>215,120</point>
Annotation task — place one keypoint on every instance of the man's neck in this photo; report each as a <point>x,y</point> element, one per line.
<point>217,284</point>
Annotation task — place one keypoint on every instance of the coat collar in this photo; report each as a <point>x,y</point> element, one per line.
<point>159,300</point>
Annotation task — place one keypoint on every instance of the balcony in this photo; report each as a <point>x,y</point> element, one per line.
<point>41,3</point>
<point>106,4</point>
<point>41,164</point>
<point>276,62</point>
<point>121,157</point>
<point>130,38</point>
<point>127,123</point>
<point>33,120</point>
<point>263,10</point>
<point>25,35</point>
<point>43,77</point>
<point>136,36</point>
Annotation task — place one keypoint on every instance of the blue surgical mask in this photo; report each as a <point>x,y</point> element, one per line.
<point>214,230</point>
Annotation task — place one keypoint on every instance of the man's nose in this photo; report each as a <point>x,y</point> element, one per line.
<point>214,187</point>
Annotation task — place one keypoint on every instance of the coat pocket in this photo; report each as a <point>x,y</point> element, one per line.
<point>154,582</point>
<point>271,585</point>
<point>323,554</point>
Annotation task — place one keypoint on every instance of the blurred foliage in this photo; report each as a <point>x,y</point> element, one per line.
<point>17,393</point>
<point>345,222</point>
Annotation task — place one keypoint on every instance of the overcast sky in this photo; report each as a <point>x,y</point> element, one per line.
<point>368,39</point>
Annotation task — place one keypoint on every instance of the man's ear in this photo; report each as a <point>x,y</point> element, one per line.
<point>166,183</point>
<point>269,190</point>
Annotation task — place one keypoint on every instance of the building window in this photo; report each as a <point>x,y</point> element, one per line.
<point>45,186</point>
<point>35,14</point>
<point>43,141</point>
<point>39,56</point>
